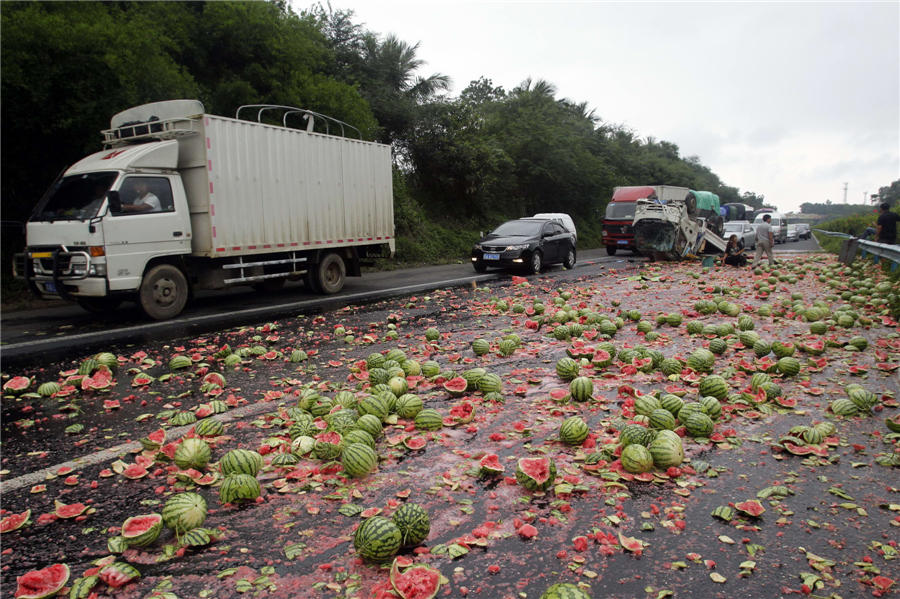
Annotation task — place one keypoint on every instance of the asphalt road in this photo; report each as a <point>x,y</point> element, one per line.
<point>49,333</point>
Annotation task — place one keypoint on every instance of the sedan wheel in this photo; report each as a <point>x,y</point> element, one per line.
<point>537,262</point>
<point>569,262</point>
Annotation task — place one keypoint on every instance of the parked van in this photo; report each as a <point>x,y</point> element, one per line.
<point>564,219</point>
<point>779,225</point>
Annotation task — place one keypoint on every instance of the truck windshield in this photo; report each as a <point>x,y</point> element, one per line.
<point>76,197</point>
<point>621,210</point>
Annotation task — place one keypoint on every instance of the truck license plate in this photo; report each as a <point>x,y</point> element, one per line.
<point>50,287</point>
<point>492,256</point>
<point>623,242</point>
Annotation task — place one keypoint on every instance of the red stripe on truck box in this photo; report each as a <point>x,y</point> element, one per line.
<point>214,231</point>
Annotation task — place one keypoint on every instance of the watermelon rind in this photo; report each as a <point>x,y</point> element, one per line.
<point>237,487</point>
<point>573,431</point>
<point>565,590</point>
<point>359,460</point>
<point>193,453</point>
<point>377,539</point>
<point>46,582</point>
<point>526,473</point>
<point>241,461</point>
<point>413,522</point>
<point>147,534</point>
<point>413,579</point>
<point>184,512</point>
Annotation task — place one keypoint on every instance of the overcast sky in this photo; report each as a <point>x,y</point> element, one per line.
<point>790,100</point>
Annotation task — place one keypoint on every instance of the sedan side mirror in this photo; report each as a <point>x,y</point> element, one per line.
<point>115,201</point>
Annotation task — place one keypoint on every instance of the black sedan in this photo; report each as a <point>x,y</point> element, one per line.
<point>525,244</point>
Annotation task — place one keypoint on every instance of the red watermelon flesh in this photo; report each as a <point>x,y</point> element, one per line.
<point>204,411</point>
<point>69,511</point>
<point>115,577</point>
<point>329,437</point>
<point>214,378</point>
<point>15,521</point>
<point>456,385</point>
<point>415,442</point>
<point>134,472</point>
<point>42,583</point>
<point>417,582</point>
<point>536,468</point>
<point>491,463</point>
<point>751,508</point>
<point>463,413</point>
<point>140,524</point>
<point>158,436</point>
<point>559,394</point>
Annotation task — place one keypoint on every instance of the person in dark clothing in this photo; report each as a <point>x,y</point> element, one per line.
<point>734,253</point>
<point>886,225</point>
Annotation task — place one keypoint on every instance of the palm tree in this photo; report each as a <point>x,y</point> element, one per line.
<point>394,63</point>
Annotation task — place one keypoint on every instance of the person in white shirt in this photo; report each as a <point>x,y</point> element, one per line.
<point>765,240</point>
<point>145,202</point>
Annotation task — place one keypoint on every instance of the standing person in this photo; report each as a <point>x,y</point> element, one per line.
<point>765,240</point>
<point>734,253</point>
<point>886,231</point>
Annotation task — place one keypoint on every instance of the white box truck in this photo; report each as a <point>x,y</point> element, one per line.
<point>180,201</point>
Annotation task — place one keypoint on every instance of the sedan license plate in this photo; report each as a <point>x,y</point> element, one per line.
<point>50,287</point>
<point>492,256</point>
<point>623,242</point>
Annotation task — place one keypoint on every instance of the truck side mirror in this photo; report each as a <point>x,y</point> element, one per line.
<point>115,201</point>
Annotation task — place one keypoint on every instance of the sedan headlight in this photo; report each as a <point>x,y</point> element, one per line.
<point>513,248</point>
<point>477,246</point>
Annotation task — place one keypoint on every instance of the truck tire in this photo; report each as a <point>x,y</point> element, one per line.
<point>690,204</point>
<point>611,250</point>
<point>99,305</point>
<point>327,277</point>
<point>269,284</point>
<point>163,292</point>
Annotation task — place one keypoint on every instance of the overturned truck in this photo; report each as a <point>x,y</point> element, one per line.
<point>678,229</point>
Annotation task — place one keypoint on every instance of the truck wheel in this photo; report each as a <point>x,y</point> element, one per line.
<point>327,277</point>
<point>163,292</point>
<point>99,305</point>
<point>611,250</point>
<point>690,204</point>
<point>269,284</point>
<point>569,262</point>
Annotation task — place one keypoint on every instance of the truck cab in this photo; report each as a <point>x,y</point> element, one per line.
<point>92,237</point>
<point>618,232</point>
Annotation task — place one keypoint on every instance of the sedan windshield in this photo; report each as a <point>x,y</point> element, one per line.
<point>518,228</point>
<point>76,197</point>
<point>734,228</point>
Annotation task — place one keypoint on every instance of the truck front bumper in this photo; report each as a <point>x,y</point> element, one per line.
<point>57,272</point>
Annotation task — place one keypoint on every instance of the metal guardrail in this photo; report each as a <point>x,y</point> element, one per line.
<point>878,250</point>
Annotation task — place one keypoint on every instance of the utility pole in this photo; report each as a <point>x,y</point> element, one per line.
<point>846,185</point>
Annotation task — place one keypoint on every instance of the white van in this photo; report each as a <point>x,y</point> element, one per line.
<point>563,219</point>
<point>779,225</point>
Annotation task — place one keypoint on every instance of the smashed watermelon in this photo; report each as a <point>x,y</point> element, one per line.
<point>416,582</point>
<point>73,510</point>
<point>751,507</point>
<point>38,584</point>
<point>15,521</point>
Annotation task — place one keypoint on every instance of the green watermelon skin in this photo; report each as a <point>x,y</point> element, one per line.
<point>359,460</point>
<point>239,487</point>
<point>241,461</point>
<point>377,539</point>
<point>573,431</point>
<point>490,383</point>
<point>533,484</point>
<point>699,425</point>
<point>413,522</point>
<point>564,590</point>
<point>429,419</point>
<point>666,452</point>
<point>184,512</point>
<point>636,459</point>
<point>567,369</point>
<point>714,386</point>
<point>662,419</point>
<point>146,537</point>
<point>209,428</point>
<point>581,388</point>
<point>632,434</point>
<point>192,453</point>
